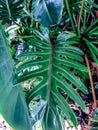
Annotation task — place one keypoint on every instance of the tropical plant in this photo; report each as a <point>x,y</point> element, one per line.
<point>52,55</point>
<point>10,10</point>
<point>53,61</point>
<point>55,76</point>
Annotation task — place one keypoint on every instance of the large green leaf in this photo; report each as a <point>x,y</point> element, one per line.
<point>10,10</point>
<point>53,62</point>
<point>12,102</point>
<point>47,12</point>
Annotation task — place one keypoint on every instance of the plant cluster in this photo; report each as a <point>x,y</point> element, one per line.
<point>51,48</point>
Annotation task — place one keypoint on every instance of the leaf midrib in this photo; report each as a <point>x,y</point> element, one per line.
<point>8,8</point>
<point>50,72</point>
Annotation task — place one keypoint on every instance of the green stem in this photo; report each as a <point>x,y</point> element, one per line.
<point>69,13</point>
<point>80,15</point>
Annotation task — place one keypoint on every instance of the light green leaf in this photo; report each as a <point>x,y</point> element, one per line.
<point>12,102</point>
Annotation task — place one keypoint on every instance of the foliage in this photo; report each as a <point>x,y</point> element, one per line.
<point>10,10</point>
<point>54,61</point>
<point>53,55</point>
<point>12,100</point>
<point>47,12</point>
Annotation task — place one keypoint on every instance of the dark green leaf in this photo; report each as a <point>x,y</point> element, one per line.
<point>47,12</point>
<point>10,10</point>
<point>54,69</point>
